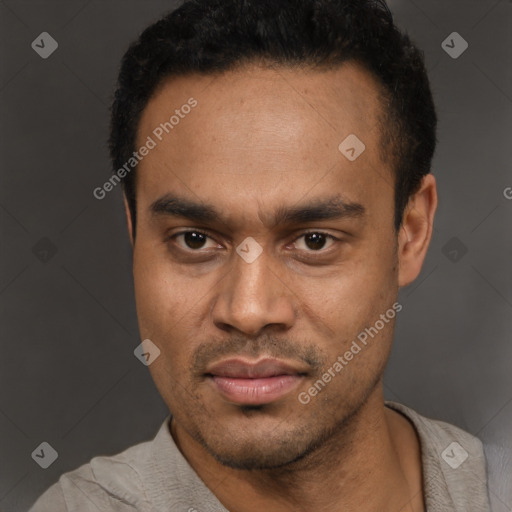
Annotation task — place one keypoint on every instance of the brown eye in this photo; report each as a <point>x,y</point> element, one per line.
<point>314,241</point>
<point>193,240</point>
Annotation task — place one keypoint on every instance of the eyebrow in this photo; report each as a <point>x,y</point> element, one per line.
<point>331,208</point>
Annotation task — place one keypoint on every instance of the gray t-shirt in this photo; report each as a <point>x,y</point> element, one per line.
<point>153,476</point>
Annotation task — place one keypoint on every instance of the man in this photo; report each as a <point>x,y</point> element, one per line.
<point>275,158</point>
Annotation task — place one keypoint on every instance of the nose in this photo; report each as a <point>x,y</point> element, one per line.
<point>252,297</point>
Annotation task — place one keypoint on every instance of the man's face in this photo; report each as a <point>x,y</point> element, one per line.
<point>258,143</point>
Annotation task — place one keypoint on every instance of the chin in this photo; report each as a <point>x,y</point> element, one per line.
<point>256,458</point>
<point>262,446</point>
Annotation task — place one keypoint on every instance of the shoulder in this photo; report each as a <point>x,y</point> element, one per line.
<point>51,500</point>
<point>113,483</point>
<point>437,433</point>
<point>146,477</point>
<point>453,462</point>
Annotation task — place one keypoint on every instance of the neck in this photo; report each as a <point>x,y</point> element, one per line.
<point>371,463</point>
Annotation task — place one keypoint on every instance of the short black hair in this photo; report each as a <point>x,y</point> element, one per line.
<point>212,36</point>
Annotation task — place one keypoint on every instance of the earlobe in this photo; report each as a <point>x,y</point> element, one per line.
<point>416,231</point>
<point>128,219</point>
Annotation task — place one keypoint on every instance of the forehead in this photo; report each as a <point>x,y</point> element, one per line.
<point>258,133</point>
<point>343,98</point>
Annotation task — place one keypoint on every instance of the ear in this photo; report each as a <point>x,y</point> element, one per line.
<point>416,230</point>
<point>128,219</point>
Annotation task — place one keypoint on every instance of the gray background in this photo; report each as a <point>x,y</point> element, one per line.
<point>68,323</point>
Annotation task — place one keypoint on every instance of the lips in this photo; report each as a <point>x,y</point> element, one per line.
<point>238,368</point>
<point>254,383</point>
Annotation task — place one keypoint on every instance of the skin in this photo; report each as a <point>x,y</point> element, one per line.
<point>262,138</point>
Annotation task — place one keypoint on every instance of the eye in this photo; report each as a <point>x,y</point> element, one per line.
<point>196,240</point>
<point>193,240</point>
<point>314,241</point>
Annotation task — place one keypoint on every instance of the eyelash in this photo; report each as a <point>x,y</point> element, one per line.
<point>199,232</point>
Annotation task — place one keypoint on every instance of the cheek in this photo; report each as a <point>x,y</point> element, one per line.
<point>165,310</point>
<point>161,297</point>
<point>171,308</point>
<point>351,299</point>
<point>357,287</point>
